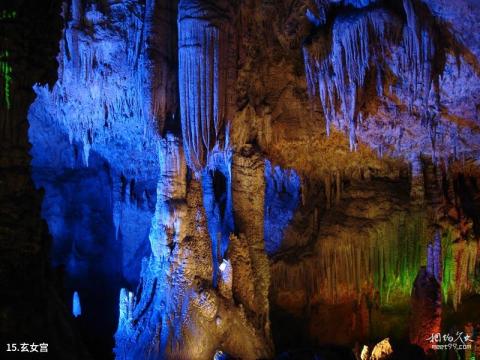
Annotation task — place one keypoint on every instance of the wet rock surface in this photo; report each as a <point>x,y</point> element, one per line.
<point>241,177</point>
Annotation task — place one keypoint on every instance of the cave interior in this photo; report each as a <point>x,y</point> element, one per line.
<point>240,179</point>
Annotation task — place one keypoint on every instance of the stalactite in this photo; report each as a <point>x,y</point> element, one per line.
<point>464,259</point>
<point>76,11</point>
<point>110,76</point>
<point>360,3</point>
<point>417,183</point>
<point>317,11</point>
<point>328,190</point>
<point>416,59</point>
<point>341,73</point>
<point>339,60</point>
<point>203,46</point>
<point>338,187</point>
<point>386,258</point>
<point>160,32</point>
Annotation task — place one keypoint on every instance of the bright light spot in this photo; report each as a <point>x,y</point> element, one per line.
<point>76,308</point>
<point>220,355</point>
<point>223,265</point>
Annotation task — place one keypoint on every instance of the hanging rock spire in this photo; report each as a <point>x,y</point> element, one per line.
<point>339,73</point>
<point>364,45</point>
<point>203,45</point>
<point>416,57</point>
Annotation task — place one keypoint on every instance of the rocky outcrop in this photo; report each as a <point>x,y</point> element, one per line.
<point>204,45</point>
<point>189,151</point>
<point>426,310</point>
<point>177,307</point>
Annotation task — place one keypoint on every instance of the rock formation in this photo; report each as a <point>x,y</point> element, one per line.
<point>242,178</point>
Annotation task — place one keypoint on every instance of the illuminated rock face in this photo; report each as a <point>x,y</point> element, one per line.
<point>178,313</point>
<point>230,196</point>
<point>95,137</point>
<point>203,72</point>
<point>397,54</point>
<point>282,197</point>
<point>426,310</point>
<point>118,200</point>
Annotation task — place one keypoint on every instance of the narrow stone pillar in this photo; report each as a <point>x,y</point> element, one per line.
<point>426,305</point>
<point>417,189</point>
<point>248,190</point>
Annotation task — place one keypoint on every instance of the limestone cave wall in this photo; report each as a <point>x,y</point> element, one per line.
<point>247,179</point>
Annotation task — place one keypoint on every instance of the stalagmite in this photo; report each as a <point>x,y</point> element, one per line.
<point>76,307</point>
<point>426,303</point>
<point>382,351</point>
<point>248,189</point>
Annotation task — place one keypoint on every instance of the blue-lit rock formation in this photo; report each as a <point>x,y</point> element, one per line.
<point>282,197</point>
<point>118,201</point>
<point>203,77</point>
<point>177,312</point>
<point>398,54</point>
<point>95,146</point>
<point>188,288</point>
<point>76,306</point>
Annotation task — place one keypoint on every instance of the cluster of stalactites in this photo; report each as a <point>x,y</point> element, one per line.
<point>87,79</point>
<point>457,266</point>
<point>386,258</point>
<point>338,75</point>
<point>337,72</point>
<point>416,59</point>
<point>202,44</point>
<point>317,9</point>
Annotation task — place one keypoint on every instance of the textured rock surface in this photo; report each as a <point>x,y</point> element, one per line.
<point>266,174</point>
<point>426,309</point>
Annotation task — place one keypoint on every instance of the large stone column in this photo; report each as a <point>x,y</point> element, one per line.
<point>248,188</point>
